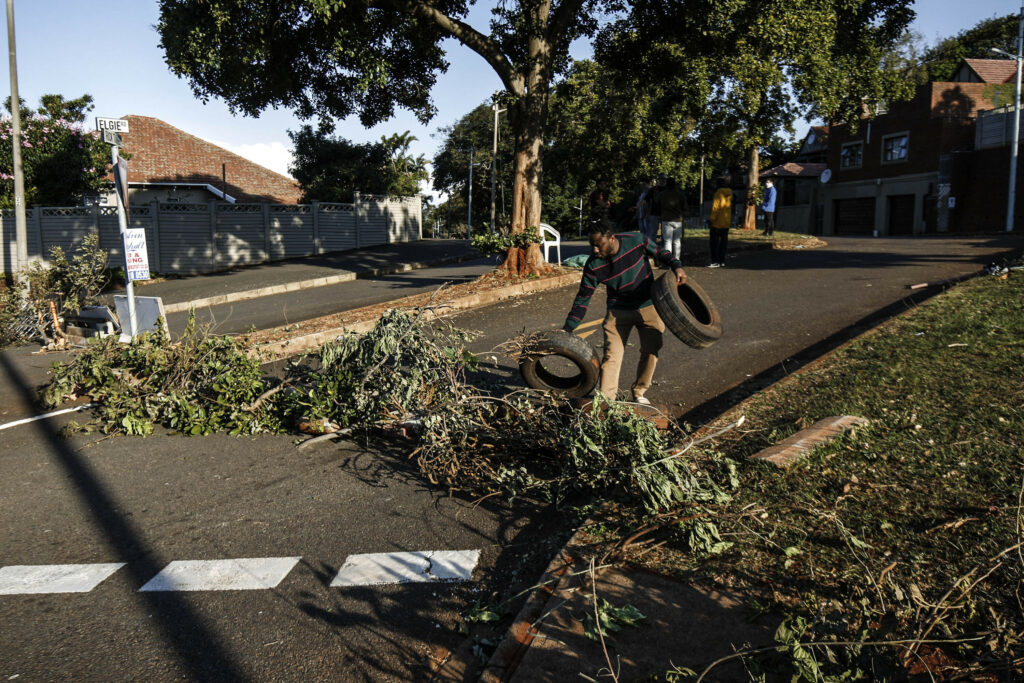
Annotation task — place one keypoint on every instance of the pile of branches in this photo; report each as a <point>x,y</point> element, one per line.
<point>35,306</point>
<point>200,385</point>
<point>404,373</point>
<point>529,442</point>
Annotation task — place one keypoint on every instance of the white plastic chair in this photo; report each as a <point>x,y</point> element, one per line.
<point>555,241</point>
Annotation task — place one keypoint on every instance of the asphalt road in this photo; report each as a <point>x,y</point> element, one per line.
<point>779,310</point>
<point>146,502</point>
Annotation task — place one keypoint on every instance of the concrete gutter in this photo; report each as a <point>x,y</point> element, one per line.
<point>347,276</point>
<point>296,345</point>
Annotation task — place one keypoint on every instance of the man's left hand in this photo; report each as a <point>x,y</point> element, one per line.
<point>680,276</point>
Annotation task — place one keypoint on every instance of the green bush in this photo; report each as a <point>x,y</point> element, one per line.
<point>500,242</point>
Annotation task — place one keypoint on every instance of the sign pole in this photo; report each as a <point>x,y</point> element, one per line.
<point>122,220</point>
<point>20,229</point>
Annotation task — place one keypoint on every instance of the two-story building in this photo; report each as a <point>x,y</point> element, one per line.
<point>914,169</point>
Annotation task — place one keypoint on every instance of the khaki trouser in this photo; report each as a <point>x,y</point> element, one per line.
<point>618,323</point>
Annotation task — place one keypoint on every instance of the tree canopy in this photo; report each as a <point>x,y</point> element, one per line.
<point>766,63</point>
<point>941,60</point>
<point>332,169</point>
<point>63,162</point>
<point>748,65</point>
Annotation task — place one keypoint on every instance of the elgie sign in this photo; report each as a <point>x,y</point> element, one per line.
<point>114,125</point>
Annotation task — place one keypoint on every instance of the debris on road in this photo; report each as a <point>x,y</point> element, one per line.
<point>407,375</point>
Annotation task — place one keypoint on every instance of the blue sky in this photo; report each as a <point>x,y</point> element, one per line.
<point>109,50</point>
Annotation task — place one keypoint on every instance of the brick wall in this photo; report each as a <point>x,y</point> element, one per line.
<point>938,120</point>
<point>979,183</point>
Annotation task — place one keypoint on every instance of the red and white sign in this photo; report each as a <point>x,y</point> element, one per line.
<point>136,257</point>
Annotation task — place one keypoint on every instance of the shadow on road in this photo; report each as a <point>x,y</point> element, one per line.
<point>873,255</point>
<point>725,400</point>
<point>526,533</point>
<point>196,645</point>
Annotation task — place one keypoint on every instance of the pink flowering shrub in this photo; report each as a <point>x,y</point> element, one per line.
<point>63,160</point>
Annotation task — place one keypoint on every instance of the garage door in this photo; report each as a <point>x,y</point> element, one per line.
<point>855,216</point>
<point>901,214</point>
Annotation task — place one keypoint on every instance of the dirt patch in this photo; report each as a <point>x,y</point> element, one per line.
<point>483,284</point>
<point>807,242</point>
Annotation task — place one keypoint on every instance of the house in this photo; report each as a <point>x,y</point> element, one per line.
<point>815,146</point>
<point>798,204</point>
<point>915,168</point>
<point>169,165</point>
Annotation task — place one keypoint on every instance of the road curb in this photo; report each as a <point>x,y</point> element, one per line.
<point>519,636</point>
<point>296,345</point>
<point>347,276</point>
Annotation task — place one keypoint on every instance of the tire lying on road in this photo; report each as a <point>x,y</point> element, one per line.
<point>687,311</point>
<point>576,350</point>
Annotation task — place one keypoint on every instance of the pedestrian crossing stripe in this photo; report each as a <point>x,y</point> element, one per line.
<point>54,578</point>
<point>254,573</point>
<point>376,569</point>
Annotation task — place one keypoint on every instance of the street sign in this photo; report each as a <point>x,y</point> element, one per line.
<point>136,257</point>
<point>121,181</point>
<point>112,138</point>
<point>116,125</point>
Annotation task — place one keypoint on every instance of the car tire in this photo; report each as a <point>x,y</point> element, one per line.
<point>687,311</point>
<point>568,346</point>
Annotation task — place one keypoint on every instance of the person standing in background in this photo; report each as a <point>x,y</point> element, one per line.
<point>768,207</point>
<point>721,221</point>
<point>673,208</point>
<point>600,201</point>
<point>654,213</point>
<point>643,206</point>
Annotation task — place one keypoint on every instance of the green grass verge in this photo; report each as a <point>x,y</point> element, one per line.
<point>907,529</point>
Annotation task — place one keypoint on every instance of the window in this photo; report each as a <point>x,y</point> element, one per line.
<point>894,148</point>
<point>852,155</point>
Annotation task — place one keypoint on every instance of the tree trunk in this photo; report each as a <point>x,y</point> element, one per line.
<point>753,171</point>
<point>527,119</point>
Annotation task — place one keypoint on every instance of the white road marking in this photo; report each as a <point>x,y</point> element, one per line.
<point>54,578</point>
<point>222,575</point>
<point>44,416</point>
<point>374,569</point>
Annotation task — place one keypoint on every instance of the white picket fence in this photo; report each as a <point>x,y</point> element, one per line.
<point>202,238</point>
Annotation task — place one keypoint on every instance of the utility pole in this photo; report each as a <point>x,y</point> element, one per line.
<point>581,216</point>
<point>469,201</point>
<point>20,231</point>
<point>1012,190</point>
<point>494,163</point>
<point>700,205</point>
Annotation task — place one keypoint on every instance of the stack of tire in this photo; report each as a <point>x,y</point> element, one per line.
<point>686,310</point>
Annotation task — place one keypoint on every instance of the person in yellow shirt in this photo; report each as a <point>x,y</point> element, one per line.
<point>721,220</point>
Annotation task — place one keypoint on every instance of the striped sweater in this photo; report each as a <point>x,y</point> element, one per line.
<point>627,275</point>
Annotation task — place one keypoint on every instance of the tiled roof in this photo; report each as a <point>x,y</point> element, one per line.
<point>994,70</point>
<point>795,170</point>
<point>162,153</point>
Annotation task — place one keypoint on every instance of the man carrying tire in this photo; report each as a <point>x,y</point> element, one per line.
<point>619,261</point>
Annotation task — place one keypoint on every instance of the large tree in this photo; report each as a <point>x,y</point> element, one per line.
<point>767,62</point>
<point>332,59</point>
<point>598,127</point>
